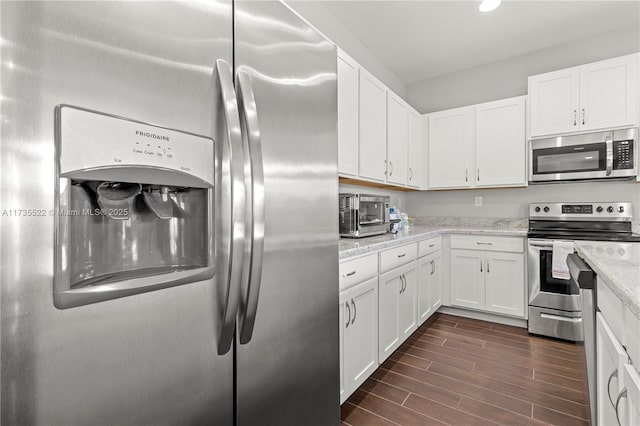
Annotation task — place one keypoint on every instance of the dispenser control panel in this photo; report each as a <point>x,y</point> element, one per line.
<point>90,141</point>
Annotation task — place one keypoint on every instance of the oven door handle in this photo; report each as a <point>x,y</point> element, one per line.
<point>541,244</point>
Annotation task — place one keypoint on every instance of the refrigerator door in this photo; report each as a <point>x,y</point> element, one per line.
<point>148,359</point>
<point>288,370</point>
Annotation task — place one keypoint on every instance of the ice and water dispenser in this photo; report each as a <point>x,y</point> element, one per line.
<point>134,207</point>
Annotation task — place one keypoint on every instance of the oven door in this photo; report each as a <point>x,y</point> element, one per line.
<point>544,290</point>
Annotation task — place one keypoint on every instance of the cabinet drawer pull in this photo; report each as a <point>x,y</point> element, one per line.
<point>402,255</point>
<point>349,273</point>
<point>481,243</point>
<point>432,245</point>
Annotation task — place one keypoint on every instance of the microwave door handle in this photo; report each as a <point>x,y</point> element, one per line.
<point>609,144</point>
<point>230,198</point>
<point>255,219</point>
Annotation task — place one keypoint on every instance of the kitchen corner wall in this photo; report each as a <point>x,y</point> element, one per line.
<point>325,22</point>
<point>514,202</point>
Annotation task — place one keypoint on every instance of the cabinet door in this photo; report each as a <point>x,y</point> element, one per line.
<point>408,303</point>
<point>467,278</point>
<point>344,315</point>
<point>372,148</point>
<point>554,101</point>
<point>361,337</point>
<point>435,282</point>
<point>504,283</point>
<point>397,139</point>
<point>631,417</point>
<point>610,360</point>
<point>389,313</point>
<point>609,93</point>
<point>425,270</point>
<point>415,164</point>
<point>500,143</point>
<point>450,154</point>
<point>347,114</point>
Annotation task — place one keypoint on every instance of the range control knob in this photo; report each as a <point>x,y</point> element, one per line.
<point>621,209</point>
<point>546,209</point>
<point>610,209</point>
<point>599,209</point>
<point>537,209</point>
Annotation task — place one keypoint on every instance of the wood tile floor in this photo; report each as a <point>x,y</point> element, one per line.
<point>460,371</point>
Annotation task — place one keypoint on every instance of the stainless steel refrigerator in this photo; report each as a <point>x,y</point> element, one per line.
<point>224,310</point>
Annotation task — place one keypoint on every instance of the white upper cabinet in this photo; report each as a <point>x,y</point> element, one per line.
<point>397,139</point>
<point>501,143</point>
<point>372,128</point>
<point>554,102</point>
<point>608,93</point>
<point>450,156</point>
<point>415,159</point>
<point>590,97</point>
<point>348,71</point>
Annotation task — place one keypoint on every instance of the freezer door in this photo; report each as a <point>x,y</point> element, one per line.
<point>148,359</point>
<point>288,369</point>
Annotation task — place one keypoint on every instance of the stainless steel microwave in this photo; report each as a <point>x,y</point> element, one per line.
<point>602,155</point>
<point>363,215</point>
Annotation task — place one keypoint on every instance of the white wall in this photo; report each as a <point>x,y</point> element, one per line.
<point>514,202</point>
<point>508,78</point>
<point>325,22</point>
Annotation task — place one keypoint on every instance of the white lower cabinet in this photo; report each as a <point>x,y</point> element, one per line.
<point>359,335</point>
<point>487,273</point>
<point>631,416</point>
<point>429,286</point>
<point>610,360</point>
<point>397,308</point>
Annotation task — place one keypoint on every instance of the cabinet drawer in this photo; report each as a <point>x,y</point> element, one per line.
<point>392,258</point>
<point>612,309</point>
<point>632,330</point>
<point>358,270</point>
<point>429,246</point>
<point>487,243</point>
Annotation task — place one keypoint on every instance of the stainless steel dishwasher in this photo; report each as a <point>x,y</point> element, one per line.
<point>584,276</point>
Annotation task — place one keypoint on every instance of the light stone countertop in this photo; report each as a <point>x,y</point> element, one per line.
<point>425,229</point>
<point>619,266</point>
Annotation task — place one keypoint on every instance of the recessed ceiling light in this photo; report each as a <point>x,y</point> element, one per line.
<point>488,5</point>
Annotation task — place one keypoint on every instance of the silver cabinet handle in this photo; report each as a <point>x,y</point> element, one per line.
<point>404,288</point>
<point>385,167</point>
<point>481,266</point>
<point>231,201</point>
<point>583,114</point>
<point>391,165</point>
<point>623,394</point>
<point>432,245</point>
<point>478,175</point>
<point>609,146</point>
<point>433,267</point>
<point>575,117</point>
<point>349,313</point>
<point>254,183</point>
<point>349,273</point>
<point>466,175</point>
<point>355,312</point>
<point>402,255</point>
<point>611,376</point>
<point>482,243</point>
<point>487,266</point>
<point>410,174</point>
<point>401,284</point>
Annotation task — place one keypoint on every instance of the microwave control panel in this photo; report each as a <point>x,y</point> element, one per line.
<point>622,155</point>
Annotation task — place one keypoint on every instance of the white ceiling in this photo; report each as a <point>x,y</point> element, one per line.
<point>423,39</point>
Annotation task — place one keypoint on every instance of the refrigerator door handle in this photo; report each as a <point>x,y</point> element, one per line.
<point>230,236</point>
<point>255,216</point>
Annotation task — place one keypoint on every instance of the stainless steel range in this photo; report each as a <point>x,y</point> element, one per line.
<point>555,306</point>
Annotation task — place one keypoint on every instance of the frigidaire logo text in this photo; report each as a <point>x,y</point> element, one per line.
<point>152,135</point>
